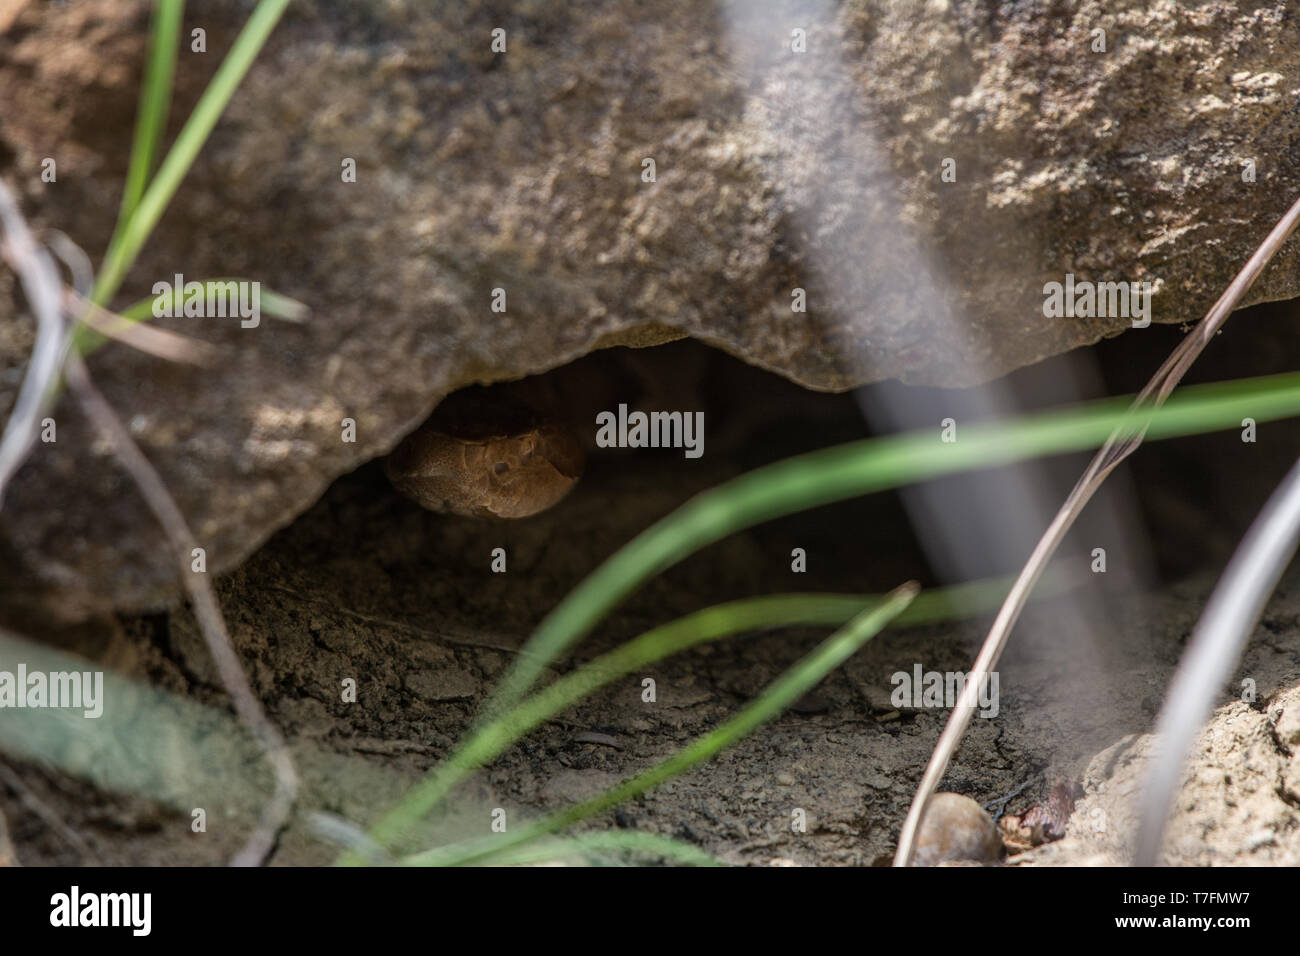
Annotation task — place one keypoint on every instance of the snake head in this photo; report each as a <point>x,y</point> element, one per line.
<point>502,476</point>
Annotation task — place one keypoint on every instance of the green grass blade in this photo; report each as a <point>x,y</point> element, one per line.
<point>274,304</point>
<point>709,624</point>
<point>797,681</point>
<point>833,474</point>
<point>189,141</point>
<point>155,100</point>
<point>607,841</point>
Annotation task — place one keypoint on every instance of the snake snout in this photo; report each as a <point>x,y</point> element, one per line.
<point>505,476</point>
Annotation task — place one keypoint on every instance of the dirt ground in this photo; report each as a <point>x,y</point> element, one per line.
<point>368,586</point>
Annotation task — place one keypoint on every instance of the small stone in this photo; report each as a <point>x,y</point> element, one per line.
<point>448,683</point>
<point>877,781</point>
<point>955,829</point>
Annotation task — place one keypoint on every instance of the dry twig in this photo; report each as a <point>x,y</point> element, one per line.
<point>160,343</point>
<point>1123,441</point>
<point>45,295</point>
<point>40,386</point>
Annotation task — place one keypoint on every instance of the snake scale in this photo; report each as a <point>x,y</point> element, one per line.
<point>515,448</point>
<point>489,453</point>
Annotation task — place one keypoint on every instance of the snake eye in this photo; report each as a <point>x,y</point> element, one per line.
<point>500,468</point>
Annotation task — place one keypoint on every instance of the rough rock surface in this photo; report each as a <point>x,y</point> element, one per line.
<point>774,170</point>
<point>1237,804</point>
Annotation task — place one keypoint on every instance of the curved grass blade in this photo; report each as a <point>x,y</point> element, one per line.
<point>123,251</point>
<point>780,694</point>
<point>274,304</point>
<point>40,283</point>
<point>709,624</point>
<point>1128,435</point>
<point>155,101</point>
<point>271,303</point>
<point>833,474</point>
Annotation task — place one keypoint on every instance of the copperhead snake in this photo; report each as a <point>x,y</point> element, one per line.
<point>501,452</point>
<point>503,475</point>
<point>516,448</point>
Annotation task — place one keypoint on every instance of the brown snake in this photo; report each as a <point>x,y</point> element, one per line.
<point>502,452</point>
<point>510,475</point>
<point>512,449</point>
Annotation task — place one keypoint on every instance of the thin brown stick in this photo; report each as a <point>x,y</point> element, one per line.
<point>45,296</point>
<point>206,610</point>
<point>160,343</point>
<point>1123,442</point>
<point>51,819</point>
<point>40,386</point>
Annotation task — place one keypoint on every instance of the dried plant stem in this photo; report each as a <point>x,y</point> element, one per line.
<point>206,610</point>
<point>40,281</point>
<point>51,819</point>
<point>46,295</point>
<point>1126,438</point>
<point>160,343</point>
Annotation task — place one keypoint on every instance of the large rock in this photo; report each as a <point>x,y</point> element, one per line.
<point>775,170</point>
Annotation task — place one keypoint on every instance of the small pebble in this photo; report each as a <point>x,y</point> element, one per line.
<point>599,739</point>
<point>956,829</point>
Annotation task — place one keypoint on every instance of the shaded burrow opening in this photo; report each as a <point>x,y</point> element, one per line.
<point>1175,508</point>
<point>367,563</point>
<point>366,567</point>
